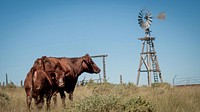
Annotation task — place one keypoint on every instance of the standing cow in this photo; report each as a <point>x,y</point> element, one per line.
<point>75,67</point>
<point>42,81</point>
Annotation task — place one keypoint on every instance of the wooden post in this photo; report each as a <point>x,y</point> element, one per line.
<point>104,65</point>
<point>21,83</point>
<point>121,79</point>
<point>104,69</point>
<point>6,79</point>
<point>99,77</point>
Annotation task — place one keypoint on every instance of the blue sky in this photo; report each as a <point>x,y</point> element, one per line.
<point>72,28</point>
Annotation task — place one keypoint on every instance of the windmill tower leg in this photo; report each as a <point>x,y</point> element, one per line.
<point>140,65</point>
<point>138,76</point>
<point>149,63</point>
<point>149,78</point>
<point>161,80</point>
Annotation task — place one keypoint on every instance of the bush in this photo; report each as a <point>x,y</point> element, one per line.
<point>4,99</point>
<point>137,105</point>
<point>98,103</point>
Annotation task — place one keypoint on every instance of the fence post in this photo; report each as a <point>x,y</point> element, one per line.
<point>21,83</point>
<point>121,79</point>
<point>174,79</point>
<point>6,79</point>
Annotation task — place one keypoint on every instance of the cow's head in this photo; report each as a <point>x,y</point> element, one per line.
<point>89,65</point>
<point>59,76</point>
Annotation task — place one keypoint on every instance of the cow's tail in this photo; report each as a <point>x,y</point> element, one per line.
<point>32,72</point>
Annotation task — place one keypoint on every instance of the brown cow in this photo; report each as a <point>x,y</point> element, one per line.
<point>75,66</point>
<point>40,83</point>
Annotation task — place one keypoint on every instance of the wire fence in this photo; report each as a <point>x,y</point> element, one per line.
<point>179,81</point>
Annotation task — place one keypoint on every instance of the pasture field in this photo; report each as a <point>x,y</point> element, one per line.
<point>108,97</point>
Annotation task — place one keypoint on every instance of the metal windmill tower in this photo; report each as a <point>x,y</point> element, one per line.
<point>148,58</point>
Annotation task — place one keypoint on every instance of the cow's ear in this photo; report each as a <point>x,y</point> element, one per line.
<point>87,58</point>
<point>87,55</point>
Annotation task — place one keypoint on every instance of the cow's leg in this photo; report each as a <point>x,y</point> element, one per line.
<point>36,101</point>
<point>55,99</point>
<point>39,102</point>
<point>62,95</point>
<point>48,102</point>
<point>28,100</point>
<point>71,96</point>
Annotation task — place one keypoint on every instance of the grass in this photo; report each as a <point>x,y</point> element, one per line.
<point>108,97</point>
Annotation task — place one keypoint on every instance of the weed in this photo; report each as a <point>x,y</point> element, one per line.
<point>4,99</point>
<point>98,103</point>
<point>138,105</point>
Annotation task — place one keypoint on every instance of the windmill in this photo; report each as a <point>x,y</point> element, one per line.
<point>148,58</point>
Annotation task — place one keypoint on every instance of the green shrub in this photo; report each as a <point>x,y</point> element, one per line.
<point>137,105</point>
<point>98,103</point>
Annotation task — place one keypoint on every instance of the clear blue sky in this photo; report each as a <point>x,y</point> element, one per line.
<point>72,28</point>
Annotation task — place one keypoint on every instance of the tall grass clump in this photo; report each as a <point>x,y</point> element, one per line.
<point>98,103</point>
<point>110,103</point>
<point>4,99</point>
<point>138,105</point>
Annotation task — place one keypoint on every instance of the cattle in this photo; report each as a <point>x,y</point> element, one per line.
<point>75,67</point>
<point>70,68</point>
<point>42,81</point>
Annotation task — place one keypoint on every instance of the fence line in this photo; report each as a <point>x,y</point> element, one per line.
<point>178,81</point>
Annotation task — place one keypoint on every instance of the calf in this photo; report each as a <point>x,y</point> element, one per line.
<point>40,83</point>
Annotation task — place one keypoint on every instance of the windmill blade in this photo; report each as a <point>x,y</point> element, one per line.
<point>149,22</point>
<point>148,14</point>
<point>139,17</point>
<point>140,22</point>
<point>151,17</point>
<point>141,13</point>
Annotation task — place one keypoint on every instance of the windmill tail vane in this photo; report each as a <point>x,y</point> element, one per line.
<point>161,16</point>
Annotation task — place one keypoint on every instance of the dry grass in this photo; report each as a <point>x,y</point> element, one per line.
<point>115,98</point>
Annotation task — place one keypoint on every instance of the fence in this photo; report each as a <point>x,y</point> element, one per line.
<point>185,81</point>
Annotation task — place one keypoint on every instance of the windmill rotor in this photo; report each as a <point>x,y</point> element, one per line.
<point>144,19</point>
